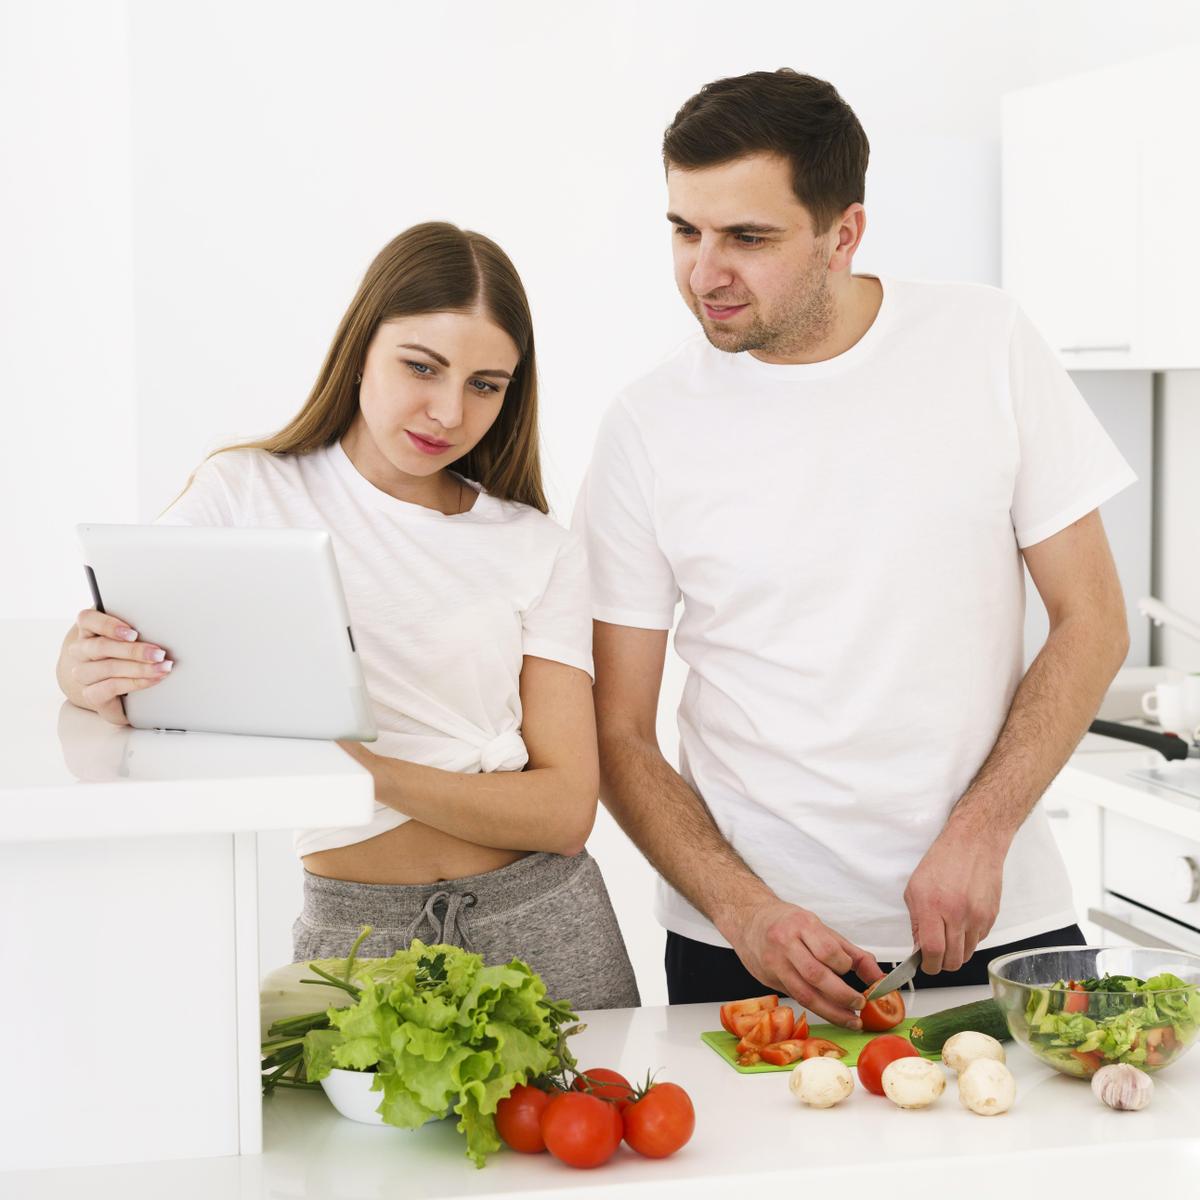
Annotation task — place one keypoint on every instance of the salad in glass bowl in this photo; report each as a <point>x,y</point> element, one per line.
<point>1078,1008</point>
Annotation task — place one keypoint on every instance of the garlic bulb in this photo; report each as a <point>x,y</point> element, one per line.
<point>1122,1086</point>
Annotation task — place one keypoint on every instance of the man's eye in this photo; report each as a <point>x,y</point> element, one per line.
<point>684,231</point>
<point>749,239</point>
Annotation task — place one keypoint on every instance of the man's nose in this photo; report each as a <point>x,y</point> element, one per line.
<point>709,272</point>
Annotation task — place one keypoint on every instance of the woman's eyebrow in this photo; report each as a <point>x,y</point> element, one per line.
<point>445,362</point>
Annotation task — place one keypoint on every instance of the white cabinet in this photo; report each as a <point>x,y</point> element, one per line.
<point>1100,180</point>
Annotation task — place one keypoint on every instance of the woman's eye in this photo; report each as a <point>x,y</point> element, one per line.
<point>422,369</point>
<point>484,387</point>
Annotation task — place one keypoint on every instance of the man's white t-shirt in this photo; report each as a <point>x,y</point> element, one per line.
<point>845,537</point>
<point>443,608</point>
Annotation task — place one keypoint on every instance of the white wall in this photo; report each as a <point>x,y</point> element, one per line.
<point>217,177</point>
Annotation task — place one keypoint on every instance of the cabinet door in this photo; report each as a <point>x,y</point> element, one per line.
<point>1170,244</point>
<point>1071,237</point>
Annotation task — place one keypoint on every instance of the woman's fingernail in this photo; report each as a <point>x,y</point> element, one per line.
<point>164,667</point>
<point>157,655</point>
<point>130,635</point>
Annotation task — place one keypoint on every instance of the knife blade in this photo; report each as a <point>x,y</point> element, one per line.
<point>898,976</point>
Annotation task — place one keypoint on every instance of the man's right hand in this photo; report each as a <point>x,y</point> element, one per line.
<point>106,661</point>
<point>792,950</point>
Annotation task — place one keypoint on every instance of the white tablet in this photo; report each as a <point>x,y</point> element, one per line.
<point>254,620</point>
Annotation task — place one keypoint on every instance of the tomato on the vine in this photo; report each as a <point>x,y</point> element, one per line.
<point>876,1055</point>
<point>519,1116</point>
<point>607,1085</point>
<point>661,1121</point>
<point>581,1130</point>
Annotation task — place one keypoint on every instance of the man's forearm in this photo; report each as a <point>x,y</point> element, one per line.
<point>673,828</point>
<point>1050,712</point>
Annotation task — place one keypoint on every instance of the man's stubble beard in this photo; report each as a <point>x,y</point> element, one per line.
<point>803,319</point>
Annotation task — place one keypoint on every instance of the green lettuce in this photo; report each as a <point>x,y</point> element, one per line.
<point>442,1033</point>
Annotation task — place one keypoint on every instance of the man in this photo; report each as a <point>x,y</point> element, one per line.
<point>840,477</point>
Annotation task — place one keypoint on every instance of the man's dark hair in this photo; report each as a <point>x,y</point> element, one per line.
<point>782,112</point>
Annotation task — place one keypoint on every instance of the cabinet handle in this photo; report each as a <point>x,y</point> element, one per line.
<point>1094,349</point>
<point>1123,929</point>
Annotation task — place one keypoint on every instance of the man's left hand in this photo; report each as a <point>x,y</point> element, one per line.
<point>953,898</point>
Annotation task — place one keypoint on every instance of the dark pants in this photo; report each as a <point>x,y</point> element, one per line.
<point>700,973</point>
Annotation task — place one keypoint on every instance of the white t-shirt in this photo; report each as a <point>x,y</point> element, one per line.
<point>844,537</point>
<point>443,608</point>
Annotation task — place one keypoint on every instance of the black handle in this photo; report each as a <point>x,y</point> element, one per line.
<point>1167,744</point>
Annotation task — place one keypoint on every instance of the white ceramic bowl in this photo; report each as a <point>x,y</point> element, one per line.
<point>350,1093</point>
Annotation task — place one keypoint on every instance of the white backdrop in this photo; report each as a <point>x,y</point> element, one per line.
<point>191,193</point>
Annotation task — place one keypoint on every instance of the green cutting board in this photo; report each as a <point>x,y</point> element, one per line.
<point>725,1044</point>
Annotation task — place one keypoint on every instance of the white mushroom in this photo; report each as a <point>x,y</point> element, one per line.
<point>964,1048</point>
<point>913,1082</point>
<point>987,1087</point>
<point>821,1082</point>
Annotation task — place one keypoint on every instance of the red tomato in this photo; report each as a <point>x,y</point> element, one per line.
<point>1160,1044</point>
<point>822,1048</point>
<point>518,1118</point>
<point>876,1055</point>
<point>779,1054</point>
<point>608,1085</point>
<point>661,1121</point>
<point>1076,1000</point>
<point>580,1130</point>
<point>885,1013</point>
<point>738,1008</point>
<point>1090,1060</point>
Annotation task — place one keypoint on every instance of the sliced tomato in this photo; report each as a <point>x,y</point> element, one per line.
<point>885,1013</point>
<point>783,1023</point>
<point>738,1008</point>
<point>779,1054</point>
<point>1090,1060</point>
<point>749,1056</point>
<point>759,1034</point>
<point>1160,1045</point>
<point>822,1048</point>
<point>1076,999</point>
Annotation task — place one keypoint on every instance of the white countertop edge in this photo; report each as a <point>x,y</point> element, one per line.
<point>1139,799</point>
<point>188,806</point>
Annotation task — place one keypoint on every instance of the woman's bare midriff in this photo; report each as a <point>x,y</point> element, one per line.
<point>411,853</point>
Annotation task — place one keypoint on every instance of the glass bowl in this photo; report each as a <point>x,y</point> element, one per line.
<point>1078,1032</point>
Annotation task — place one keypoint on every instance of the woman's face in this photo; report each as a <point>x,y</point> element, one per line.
<point>431,387</point>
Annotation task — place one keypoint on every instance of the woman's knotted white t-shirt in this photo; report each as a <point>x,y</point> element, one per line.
<point>443,608</point>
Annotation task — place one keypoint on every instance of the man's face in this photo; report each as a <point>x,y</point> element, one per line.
<point>747,261</point>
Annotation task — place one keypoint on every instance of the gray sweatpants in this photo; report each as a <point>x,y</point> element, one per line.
<point>547,909</point>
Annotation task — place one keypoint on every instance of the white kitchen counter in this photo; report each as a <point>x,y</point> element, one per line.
<point>750,1135</point>
<point>129,920</point>
<point>1099,773</point>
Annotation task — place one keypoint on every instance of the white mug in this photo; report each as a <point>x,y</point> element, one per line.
<point>1166,706</point>
<point>1191,699</point>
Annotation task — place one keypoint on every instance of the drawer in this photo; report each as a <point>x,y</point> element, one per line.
<point>1153,867</point>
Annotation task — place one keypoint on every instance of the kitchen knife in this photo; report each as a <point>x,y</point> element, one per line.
<point>897,977</point>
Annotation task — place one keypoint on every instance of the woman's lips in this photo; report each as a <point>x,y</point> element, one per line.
<point>722,312</point>
<point>426,446</point>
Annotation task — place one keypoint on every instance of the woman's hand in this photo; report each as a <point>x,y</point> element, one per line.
<point>102,660</point>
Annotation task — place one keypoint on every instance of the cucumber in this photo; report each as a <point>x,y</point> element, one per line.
<point>983,1016</point>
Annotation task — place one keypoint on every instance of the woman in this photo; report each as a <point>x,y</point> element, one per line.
<point>470,612</point>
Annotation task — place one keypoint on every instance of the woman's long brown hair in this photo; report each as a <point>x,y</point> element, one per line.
<point>434,267</point>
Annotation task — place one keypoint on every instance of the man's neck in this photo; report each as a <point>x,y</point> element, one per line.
<point>856,310</point>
